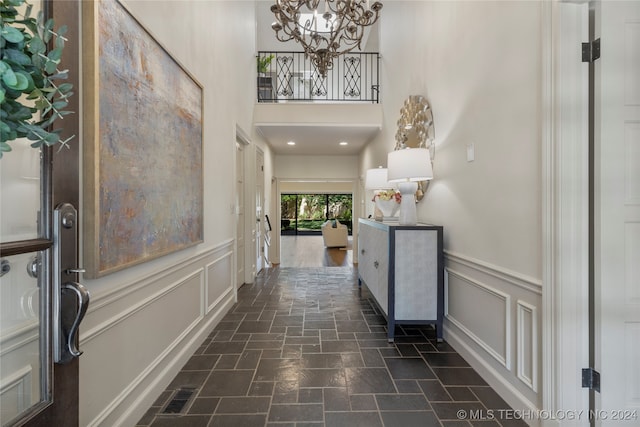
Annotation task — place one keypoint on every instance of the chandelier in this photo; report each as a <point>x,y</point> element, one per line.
<point>324,35</point>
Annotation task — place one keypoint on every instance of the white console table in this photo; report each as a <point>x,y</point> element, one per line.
<point>403,268</point>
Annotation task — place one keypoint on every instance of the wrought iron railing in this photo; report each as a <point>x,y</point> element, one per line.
<point>292,77</point>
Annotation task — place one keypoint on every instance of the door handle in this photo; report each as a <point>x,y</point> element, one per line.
<point>82,296</point>
<point>70,298</point>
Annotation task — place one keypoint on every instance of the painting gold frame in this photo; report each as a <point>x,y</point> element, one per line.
<point>143,142</point>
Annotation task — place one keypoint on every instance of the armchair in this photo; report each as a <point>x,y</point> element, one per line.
<point>334,234</point>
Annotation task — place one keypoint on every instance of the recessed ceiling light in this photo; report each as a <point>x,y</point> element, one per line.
<point>344,143</point>
<point>291,143</point>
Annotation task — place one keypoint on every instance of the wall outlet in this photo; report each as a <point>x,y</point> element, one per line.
<point>471,152</point>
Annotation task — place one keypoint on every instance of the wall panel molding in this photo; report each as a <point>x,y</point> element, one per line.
<point>203,289</point>
<point>503,356</point>
<point>527,344</point>
<point>156,375</point>
<point>492,317</point>
<point>19,385</point>
<point>101,300</point>
<point>227,275</point>
<point>139,306</point>
<point>19,338</point>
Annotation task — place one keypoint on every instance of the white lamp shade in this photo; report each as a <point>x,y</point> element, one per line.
<point>409,164</point>
<point>376,179</point>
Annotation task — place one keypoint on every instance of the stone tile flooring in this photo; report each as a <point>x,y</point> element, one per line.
<point>307,347</point>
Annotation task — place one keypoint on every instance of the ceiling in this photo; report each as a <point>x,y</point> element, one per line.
<point>318,139</point>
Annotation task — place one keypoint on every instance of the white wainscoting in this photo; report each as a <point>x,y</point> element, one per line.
<point>492,319</point>
<point>137,337</point>
<point>527,344</point>
<point>15,392</point>
<point>489,327</point>
<point>19,357</point>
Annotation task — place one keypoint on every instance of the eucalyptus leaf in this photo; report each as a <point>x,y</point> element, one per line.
<point>65,87</point>
<point>48,30</point>
<point>51,138</point>
<point>35,94</point>
<point>22,83</point>
<point>4,147</point>
<point>11,34</point>
<point>9,78</point>
<point>64,74</point>
<point>50,67</point>
<point>28,67</point>
<point>16,56</point>
<point>41,104</point>
<point>60,104</point>
<point>37,45</point>
<point>55,55</point>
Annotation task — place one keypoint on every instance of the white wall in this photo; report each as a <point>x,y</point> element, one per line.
<point>132,348</point>
<point>317,187</point>
<point>479,66</point>
<point>315,167</point>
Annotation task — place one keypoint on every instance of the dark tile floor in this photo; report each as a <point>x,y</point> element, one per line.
<point>307,347</point>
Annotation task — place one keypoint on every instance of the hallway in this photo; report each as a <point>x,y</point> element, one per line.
<point>305,347</point>
<point>309,251</point>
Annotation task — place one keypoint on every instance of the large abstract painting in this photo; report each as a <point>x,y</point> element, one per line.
<point>143,184</point>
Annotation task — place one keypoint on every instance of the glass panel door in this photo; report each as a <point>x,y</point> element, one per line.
<point>305,213</point>
<point>312,213</point>
<point>25,361</point>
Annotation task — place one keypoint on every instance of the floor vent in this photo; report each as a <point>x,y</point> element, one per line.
<point>179,400</point>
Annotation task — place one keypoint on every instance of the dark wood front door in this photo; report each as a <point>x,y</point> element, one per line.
<point>36,391</point>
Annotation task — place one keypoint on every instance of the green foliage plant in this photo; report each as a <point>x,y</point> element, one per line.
<point>33,94</point>
<point>263,63</point>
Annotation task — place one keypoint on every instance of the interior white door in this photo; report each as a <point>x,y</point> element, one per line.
<point>617,212</point>
<point>240,217</point>
<point>259,212</point>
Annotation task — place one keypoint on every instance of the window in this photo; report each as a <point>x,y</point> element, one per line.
<point>305,213</point>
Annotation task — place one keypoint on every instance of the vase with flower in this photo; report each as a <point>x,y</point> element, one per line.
<point>387,202</point>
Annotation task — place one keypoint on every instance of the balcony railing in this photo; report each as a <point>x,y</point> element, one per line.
<point>292,77</point>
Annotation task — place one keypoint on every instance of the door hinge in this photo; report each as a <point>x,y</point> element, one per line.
<point>591,379</point>
<point>591,51</point>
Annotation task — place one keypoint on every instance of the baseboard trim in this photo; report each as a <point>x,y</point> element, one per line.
<point>506,390</point>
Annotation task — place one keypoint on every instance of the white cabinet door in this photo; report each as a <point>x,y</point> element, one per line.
<point>373,262</point>
<point>380,252</point>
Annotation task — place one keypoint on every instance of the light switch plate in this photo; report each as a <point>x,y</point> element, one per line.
<point>471,152</point>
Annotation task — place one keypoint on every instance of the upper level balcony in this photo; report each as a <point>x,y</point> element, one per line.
<point>294,102</point>
<point>290,76</point>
